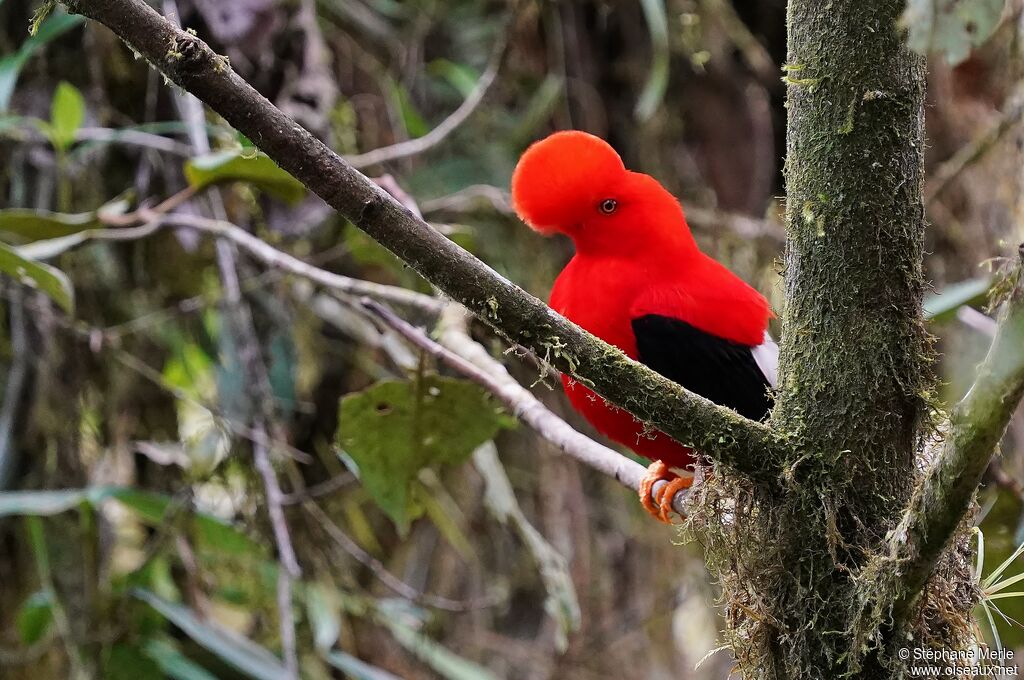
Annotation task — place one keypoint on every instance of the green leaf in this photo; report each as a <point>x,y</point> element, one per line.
<point>324,611</point>
<point>67,111</point>
<point>39,225</point>
<point>35,616</point>
<point>943,304</point>
<point>211,532</point>
<point>395,428</point>
<point>152,508</point>
<point>244,166</point>
<point>241,653</point>
<point>657,80</point>
<point>51,28</point>
<point>950,27</point>
<point>356,669</point>
<point>40,276</point>
<point>128,662</point>
<point>415,125</point>
<point>463,78</point>
<point>538,109</point>
<point>173,663</point>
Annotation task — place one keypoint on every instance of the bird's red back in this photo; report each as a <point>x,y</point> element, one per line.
<point>635,258</point>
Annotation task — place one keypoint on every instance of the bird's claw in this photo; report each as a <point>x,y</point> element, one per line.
<point>659,503</point>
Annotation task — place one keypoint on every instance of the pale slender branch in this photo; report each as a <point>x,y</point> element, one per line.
<point>466,198</point>
<point>286,553</point>
<point>748,447</point>
<point>712,220</point>
<point>416,146</point>
<point>127,137</point>
<point>462,354</point>
<point>281,260</point>
<point>154,218</point>
<point>975,428</point>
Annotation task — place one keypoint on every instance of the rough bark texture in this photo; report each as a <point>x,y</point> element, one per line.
<point>855,350</point>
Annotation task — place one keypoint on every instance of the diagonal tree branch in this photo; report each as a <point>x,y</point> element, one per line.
<point>975,428</point>
<point>746,446</point>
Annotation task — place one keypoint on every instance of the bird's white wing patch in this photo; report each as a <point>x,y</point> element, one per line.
<point>767,357</point>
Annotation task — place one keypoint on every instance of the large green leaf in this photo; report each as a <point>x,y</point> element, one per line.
<point>950,27</point>
<point>244,166</point>
<point>51,28</point>
<point>395,428</point>
<point>43,277</point>
<point>242,653</point>
<point>37,225</point>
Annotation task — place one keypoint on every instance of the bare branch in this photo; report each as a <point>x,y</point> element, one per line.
<point>975,428</point>
<point>748,447</point>
<point>281,260</point>
<point>741,225</point>
<point>446,127</point>
<point>464,355</point>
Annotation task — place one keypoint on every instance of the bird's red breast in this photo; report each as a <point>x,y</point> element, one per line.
<point>639,282</point>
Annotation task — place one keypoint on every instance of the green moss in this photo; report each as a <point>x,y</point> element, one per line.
<point>855,366</point>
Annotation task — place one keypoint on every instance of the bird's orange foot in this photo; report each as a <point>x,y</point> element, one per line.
<point>659,504</point>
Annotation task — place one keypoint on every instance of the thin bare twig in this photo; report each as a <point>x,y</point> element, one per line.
<point>465,198</point>
<point>281,260</point>
<point>128,137</point>
<point>491,375</point>
<point>416,146</point>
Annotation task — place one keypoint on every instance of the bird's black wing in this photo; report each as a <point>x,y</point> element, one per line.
<point>718,369</point>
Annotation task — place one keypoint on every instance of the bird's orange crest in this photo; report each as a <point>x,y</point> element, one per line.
<point>560,179</point>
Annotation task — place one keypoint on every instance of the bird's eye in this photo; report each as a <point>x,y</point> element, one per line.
<point>608,206</point>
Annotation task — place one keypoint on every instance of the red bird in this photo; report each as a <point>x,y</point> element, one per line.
<point>639,282</point>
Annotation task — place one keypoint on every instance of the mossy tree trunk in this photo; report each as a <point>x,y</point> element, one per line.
<point>855,360</point>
